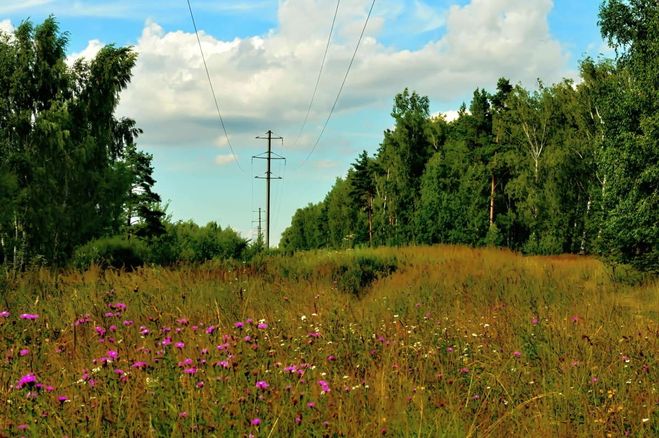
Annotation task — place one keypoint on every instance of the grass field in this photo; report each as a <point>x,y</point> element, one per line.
<point>444,341</point>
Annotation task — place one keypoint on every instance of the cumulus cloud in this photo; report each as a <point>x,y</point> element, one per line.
<point>6,26</point>
<point>266,81</point>
<point>88,53</point>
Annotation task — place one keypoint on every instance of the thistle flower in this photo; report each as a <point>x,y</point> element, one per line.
<point>255,421</point>
<point>517,354</point>
<point>262,326</point>
<point>180,345</point>
<point>29,316</point>
<point>324,386</point>
<point>24,352</point>
<point>239,325</point>
<point>27,380</point>
<point>262,384</point>
<point>4,314</point>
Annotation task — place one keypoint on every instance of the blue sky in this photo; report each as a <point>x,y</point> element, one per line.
<point>264,56</point>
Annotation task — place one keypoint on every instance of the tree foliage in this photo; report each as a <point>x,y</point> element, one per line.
<point>571,167</point>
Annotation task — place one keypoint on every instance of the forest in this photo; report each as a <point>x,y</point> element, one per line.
<point>567,168</point>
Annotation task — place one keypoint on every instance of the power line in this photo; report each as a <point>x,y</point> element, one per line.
<point>345,78</point>
<point>320,73</point>
<point>210,82</point>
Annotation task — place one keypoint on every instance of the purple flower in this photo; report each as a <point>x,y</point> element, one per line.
<point>112,354</point>
<point>200,384</point>
<point>24,352</point>
<point>28,379</point>
<point>262,326</point>
<point>222,363</point>
<point>324,386</point>
<point>331,358</point>
<point>144,331</point>
<point>182,321</point>
<point>183,414</point>
<point>4,314</point>
<point>210,329</point>
<point>180,345</point>
<point>22,427</point>
<point>256,421</point>
<point>535,320</point>
<point>311,405</point>
<point>167,341</point>
<point>100,330</point>
<point>517,354</point>
<point>464,370</point>
<point>240,325</point>
<point>191,370</point>
<point>119,372</point>
<point>62,398</point>
<point>262,384</point>
<point>139,365</point>
<point>314,335</point>
<point>30,316</point>
<point>128,323</point>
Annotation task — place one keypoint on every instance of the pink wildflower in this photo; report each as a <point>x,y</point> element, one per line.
<point>26,380</point>
<point>24,352</point>
<point>262,384</point>
<point>256,421</point>
<point>4,314</point>
<point>29,316</point>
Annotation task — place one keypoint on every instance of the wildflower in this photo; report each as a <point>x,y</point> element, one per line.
<point>222,363</point>
<point>127,323</point>
<point>535,320</point>
<point>4,314</point>
<point>112,328</point>
<point>256,421</point>
<point>314,334</point>
<point>298,420</point>
<point>262,326</point>
<point>180,345</point>
<point>144,331</point>
<point>28,379</point>
<point>109,314</point>
<point>112,354</point>
<point>464,370</point>
<point>210,329</point>
<point>239,325</point>
<point>517,354</point>
<point>183,414</point>
<point>119,372</point>
<point>183,321</point>
<point>29,316</point>
<point>62,399</point>
<point>191,370</point>
<point>311,405</point>
<point>331,358</point>
<point>247,338</point>
<point>204,351</point>
<point>24,352</point>
<point>262,384</point>
<point>575,319</point>
<point>167,341</point>
<point>594,379</point>
<point>139,365</point>
<point>200,384</point>
<point>118,306</point>
<point>22,427</point>
<point>324,387</point>
<point>249,321</point>
<point>449,349</point>
<point>186,362</point>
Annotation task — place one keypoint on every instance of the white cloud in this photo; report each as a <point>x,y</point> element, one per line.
<point>88,53</point>
<point>10,6</point>
<point>6,27</point>
<point>265,82</point>
<point>223,160</point>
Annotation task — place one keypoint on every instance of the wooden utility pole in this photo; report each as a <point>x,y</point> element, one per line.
<point>268,156</point>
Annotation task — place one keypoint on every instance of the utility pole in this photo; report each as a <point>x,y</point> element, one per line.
<point>259,227</point>
<point>268,156</point>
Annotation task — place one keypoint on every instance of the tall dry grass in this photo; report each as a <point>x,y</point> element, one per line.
<point>455,342</point>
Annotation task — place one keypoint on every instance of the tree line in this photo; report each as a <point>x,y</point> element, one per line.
<point>567,168</point>
<point>73,182</point>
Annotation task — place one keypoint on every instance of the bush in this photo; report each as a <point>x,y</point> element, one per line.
<point>110,252</point>
<point>356,274</point>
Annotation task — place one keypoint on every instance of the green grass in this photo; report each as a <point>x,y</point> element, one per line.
<point>452,342</point>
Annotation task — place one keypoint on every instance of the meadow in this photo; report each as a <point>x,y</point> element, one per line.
<point>423,341</point>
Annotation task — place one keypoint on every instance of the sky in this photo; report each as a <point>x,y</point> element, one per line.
<point>264,57</point>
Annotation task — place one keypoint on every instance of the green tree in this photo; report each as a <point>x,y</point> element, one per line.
<point>630,159</point>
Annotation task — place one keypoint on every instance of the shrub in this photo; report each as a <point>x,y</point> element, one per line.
<point>356,274</point>
<point>110,252</point>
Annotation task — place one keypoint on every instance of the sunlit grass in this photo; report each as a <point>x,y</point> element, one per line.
<point>455,342</point>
